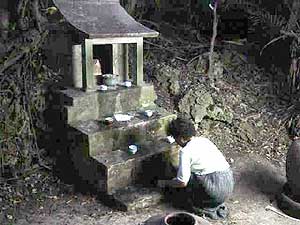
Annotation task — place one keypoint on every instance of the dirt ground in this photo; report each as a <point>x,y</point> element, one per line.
<point>257,182</point>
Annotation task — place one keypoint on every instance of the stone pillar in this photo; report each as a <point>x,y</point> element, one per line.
<point>139,78</point>
<point>88,81</point>
<point>132,61</point>
<point>126,58</point>
<point>120,61</point>
<point>77,66</point>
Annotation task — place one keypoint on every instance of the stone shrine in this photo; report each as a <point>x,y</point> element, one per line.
<point>94,120</point>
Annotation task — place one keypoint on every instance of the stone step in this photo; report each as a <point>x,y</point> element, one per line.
<point>98,137</point>
<point>78,105</point>
<point>122,169</point>
<point>135,197</point>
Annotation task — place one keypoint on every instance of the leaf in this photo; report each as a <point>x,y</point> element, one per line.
<point>157,3</point>
<point>51,10</point>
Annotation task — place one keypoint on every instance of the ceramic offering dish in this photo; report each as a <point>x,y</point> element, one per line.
<point>132,149</point>
<point>148,113</point>
<point>170,139</point>
<point>108,120</point>
<point>103,88</point>
<point>122,117</point>
<point>110,79</point>
<point>127,84</point>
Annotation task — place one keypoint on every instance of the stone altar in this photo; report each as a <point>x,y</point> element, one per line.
<point>96,151</point>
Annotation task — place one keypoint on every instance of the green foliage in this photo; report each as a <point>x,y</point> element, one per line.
<point>51,10</point>
<point>157,3</point>
<point>278,27</point>
<point>12,26</point>
<point>262,17</point>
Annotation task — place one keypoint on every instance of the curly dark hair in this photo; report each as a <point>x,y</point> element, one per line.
<point>182,127</point>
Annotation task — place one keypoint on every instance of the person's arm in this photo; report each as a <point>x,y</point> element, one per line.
<point>171,183</point>
<point>183,173</point>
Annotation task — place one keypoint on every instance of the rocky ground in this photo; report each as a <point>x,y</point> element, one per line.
<point>243,112</point>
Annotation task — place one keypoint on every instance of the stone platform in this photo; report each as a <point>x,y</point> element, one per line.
<point>135,197</point>
<point>145,167</point>
<point>77,105</point>
<point>97,137</point>
<point>98,151</point>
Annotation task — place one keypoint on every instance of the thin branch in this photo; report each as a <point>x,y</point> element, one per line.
<point>8,63</point>
<point>271,42</point>
<point>196,57</point>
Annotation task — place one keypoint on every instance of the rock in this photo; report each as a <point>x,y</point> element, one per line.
<point>217,71</point>
<point>246,131</point>
<point>168,79</point>
<point>201,65</point>
<point>174,87</point>
<point>198,103</point>
<point>195,104</point>
<point>259,123</point>
<point>198,112</point>
<point>220,114</point>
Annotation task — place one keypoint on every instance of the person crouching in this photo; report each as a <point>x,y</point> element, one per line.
<point>204,178</point>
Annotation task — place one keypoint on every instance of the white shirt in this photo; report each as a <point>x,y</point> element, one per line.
<point>201,157</point>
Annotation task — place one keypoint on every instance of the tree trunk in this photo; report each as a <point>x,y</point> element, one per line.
<point>212,43</point>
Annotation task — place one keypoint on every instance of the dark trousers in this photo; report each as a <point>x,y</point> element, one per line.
<point>205,191</point>
<point>212,189</point>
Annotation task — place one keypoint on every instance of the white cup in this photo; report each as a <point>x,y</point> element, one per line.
<point>148,113</point>
<point>170,139</point>
<point>103,87</point>
<point>127,83</point>
<point>109,120</point>
<point>132,149</point>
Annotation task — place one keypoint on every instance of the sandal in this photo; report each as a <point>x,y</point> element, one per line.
<point>210,213</point>
<point>222,211</point>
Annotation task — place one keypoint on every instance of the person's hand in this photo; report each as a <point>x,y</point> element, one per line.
<point>161,183</point>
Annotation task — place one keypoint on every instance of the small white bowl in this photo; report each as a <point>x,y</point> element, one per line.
<point>148,113</point>
<point>170,139</point>
<point>109,120</point>
<point>127,84</point>
<point>103,88</point>
<point>132,149</point>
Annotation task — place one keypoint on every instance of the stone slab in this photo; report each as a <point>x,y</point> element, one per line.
<point>126,99</point>
<point>104,138</point>
<point>123,169</point>
<point>134,197</point>
<point>82,106</point>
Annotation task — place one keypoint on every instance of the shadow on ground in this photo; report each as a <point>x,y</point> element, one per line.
<point>263,178</point>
